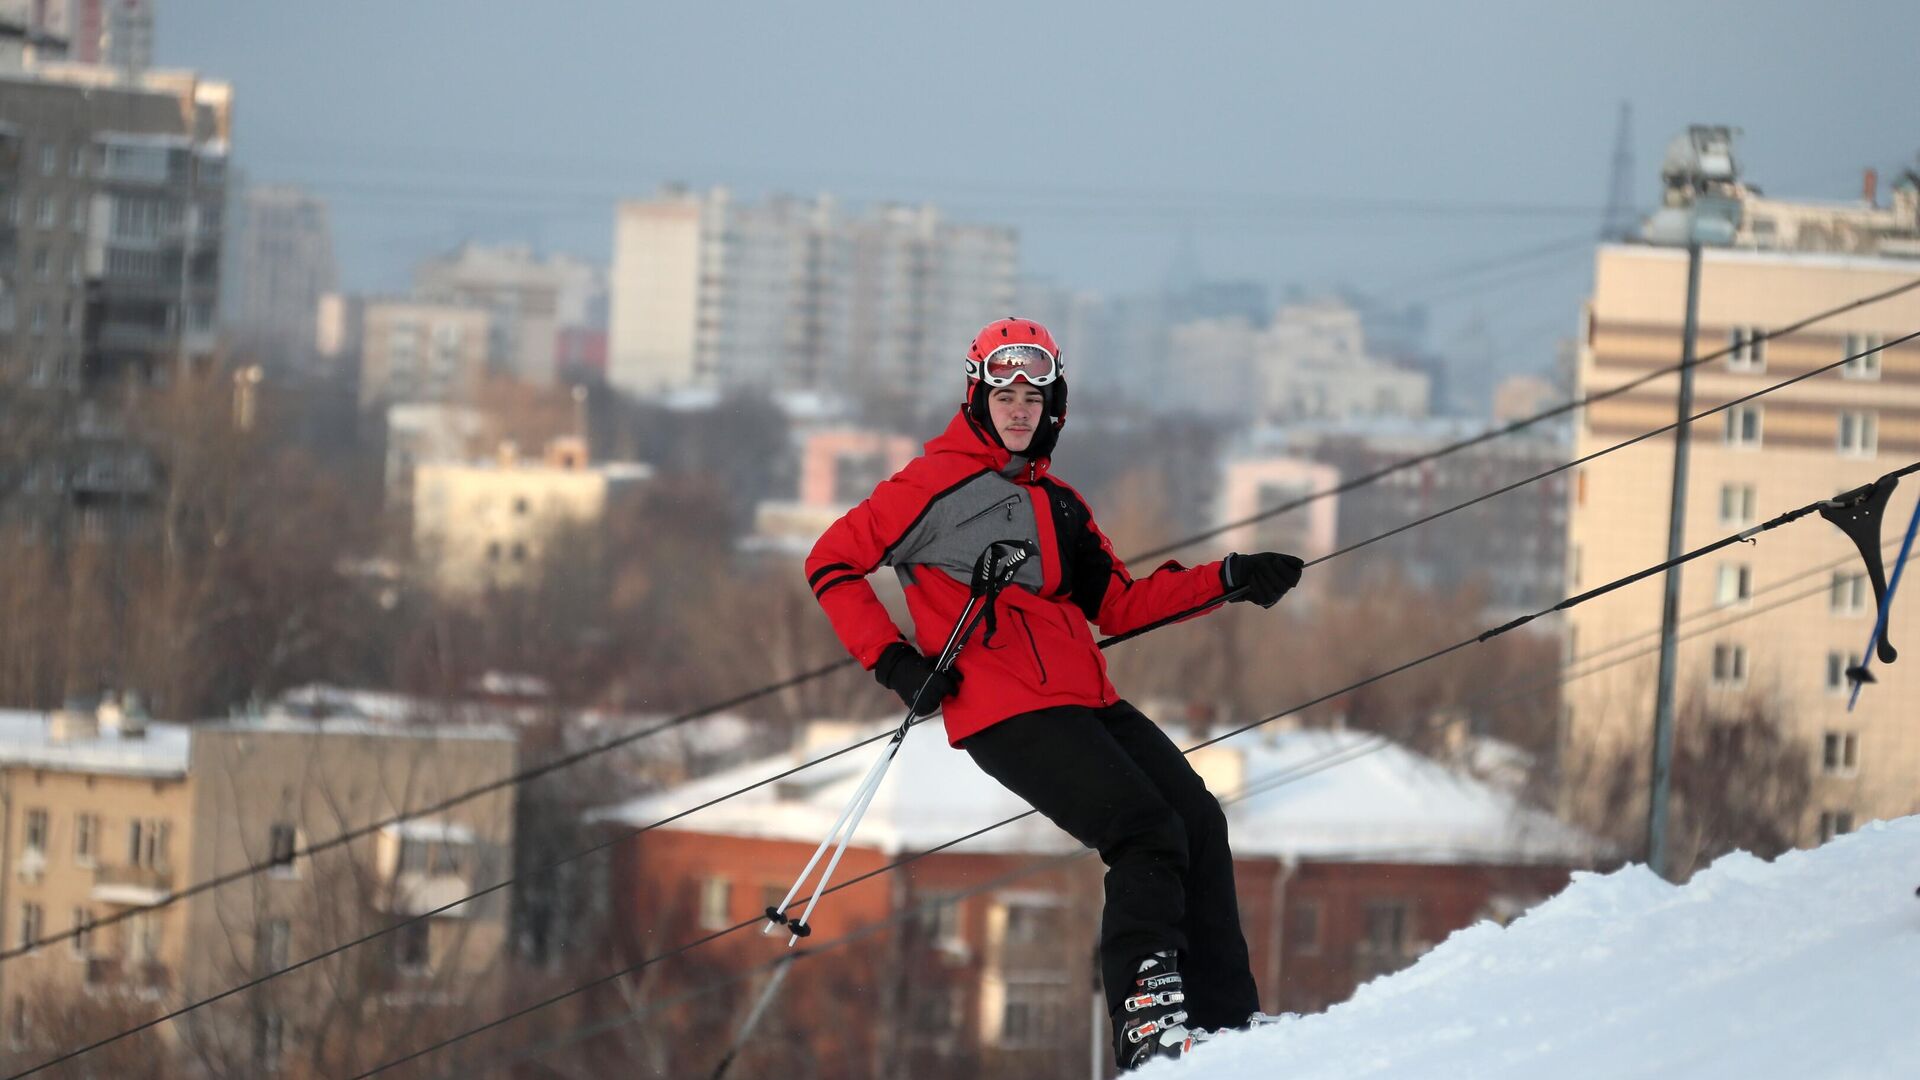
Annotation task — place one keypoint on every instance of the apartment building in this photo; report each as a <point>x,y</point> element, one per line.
<point>785,294</point>
<point>417,350</point>
<point>480,525</point>
<point>1777,622</point>
<point>284,265</point>
<point>102,812</point>
<point>529,301</point>
<point>1343,874</point>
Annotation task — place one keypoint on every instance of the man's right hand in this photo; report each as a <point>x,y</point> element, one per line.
<point>905,672</point>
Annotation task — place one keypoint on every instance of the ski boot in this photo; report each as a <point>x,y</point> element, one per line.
<point>1151,1021</point>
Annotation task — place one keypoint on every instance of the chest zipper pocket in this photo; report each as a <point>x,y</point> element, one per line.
<point>1004,504</point>
<point>1027,628</point>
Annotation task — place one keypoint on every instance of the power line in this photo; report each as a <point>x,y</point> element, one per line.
<point>1247,790</point>
<point>580,755</point>
<point>1366,479</point>
<point>1706,549</point>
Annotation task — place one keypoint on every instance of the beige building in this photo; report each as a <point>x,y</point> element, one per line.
<point>101,813</point>
<point>489,524</point>
<point>528,299</point>
<point>1833,432</point>
<point>421,351</point>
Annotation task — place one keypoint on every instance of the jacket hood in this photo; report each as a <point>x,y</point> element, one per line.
<point>965,436</point>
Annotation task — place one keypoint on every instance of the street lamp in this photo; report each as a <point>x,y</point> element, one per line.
<point>1702,191</point>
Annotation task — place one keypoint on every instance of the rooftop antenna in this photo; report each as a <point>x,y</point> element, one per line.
<point>1619,220</point>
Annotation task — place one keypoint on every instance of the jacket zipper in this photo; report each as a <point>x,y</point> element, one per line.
<point>1006,503</point>
<point>1032,644</point>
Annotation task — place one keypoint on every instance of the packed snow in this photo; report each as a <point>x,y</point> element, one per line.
<point>1808,966</point>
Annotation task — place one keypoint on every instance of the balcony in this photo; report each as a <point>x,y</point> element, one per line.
<point>131,886</point>
<point>144,978</point>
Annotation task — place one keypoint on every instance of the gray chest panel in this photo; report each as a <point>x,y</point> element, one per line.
<point>961,523</point>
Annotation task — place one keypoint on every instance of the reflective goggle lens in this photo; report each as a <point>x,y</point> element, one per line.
<point>1030,362</point>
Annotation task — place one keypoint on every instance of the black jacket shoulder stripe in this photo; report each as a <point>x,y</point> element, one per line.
<point>841,580</point>
<point>814,578</point>
<point>924,510</point>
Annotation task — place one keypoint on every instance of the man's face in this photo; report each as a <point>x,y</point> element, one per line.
<point>1017,411</point>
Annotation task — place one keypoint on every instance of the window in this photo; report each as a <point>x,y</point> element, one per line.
<point>1746,349</point>
<point>716,900</point>
<point>1387,929</point>
<point>46,212</point>
<point>37,831</point>
<point>143,938</point>
<point>147,843</point>
<point>1729,665</point>
<point>1840,753</point>
<point>1735,584</point>
<point>1028,925</point>
<point>937,1009</point>
<point>1859,433</point>
<point>37,317</point>
<point>1030,1015</point>
<point>1848,593</point>
<point>32,921</point>
<point>269,1039</point>
<point>519,552</point>
<point>49,159</point>
<point>78,165</point>
<point>21,1029</point>
<point>282,841</point>
<point>86,830</point>
<point>412,946</point>
<point>42,263</point>
<point>1738,504</point>
<point>82,940</point>
<point>521,506</point>
<point>493,551</point>
<point>1835,822</point>
<point>77,215</point>
<point>1863,361</point>
<point>1304,932</point>
<point>270,946</point>
<point>1744,425</point>
<point>1837,665</point>
<point>945,927</point>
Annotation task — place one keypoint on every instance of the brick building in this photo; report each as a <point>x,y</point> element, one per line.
<point>1344,873</point>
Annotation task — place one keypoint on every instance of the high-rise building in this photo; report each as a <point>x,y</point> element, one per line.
<point>799,295</point>
<point>1816,439</point>
<point>284,257</point>
<point>530,301</point>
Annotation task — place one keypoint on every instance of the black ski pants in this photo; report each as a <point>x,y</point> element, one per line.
<point>1114,781</point>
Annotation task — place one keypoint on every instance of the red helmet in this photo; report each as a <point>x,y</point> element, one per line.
<point>1011,349</point>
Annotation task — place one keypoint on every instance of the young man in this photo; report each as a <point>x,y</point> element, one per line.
<point>1029,699</point>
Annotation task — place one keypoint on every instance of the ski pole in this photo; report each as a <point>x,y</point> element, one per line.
<point>1859,675</point>
<point>993,571</point>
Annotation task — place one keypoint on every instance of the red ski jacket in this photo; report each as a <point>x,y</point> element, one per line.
<point>930,521</point>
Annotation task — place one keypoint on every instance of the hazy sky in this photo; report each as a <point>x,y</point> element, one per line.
<point>1381,144</point>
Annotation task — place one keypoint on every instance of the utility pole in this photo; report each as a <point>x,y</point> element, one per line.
<point>1701,207</point>
<point>1670,605</point>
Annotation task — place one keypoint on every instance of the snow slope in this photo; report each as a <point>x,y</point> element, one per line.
<point>1808,966</point>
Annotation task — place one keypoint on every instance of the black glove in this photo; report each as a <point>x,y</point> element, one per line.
<point>904,671</point>
<point>1267,575</point>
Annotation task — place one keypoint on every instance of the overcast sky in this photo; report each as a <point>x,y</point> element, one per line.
<point>1379,144</point>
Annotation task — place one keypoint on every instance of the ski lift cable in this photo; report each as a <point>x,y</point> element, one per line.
<point>576,757</point>
<point>1105,643</point>
<point>1746,535</point>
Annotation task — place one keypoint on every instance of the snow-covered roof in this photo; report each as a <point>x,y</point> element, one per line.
<point>1800,967</point>
<point>26,738</point>
<point>1385,804</point>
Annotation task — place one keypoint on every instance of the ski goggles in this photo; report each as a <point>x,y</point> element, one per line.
<point>1009,362</point>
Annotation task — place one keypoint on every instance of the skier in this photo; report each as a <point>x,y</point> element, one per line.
<point>1029,700</point>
